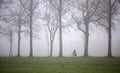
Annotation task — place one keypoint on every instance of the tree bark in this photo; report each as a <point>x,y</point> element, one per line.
<point>19,40</point>
<point>86,31</point>
<point>11,43</point>
<point>60,29</point>
<point>31,39</point>
<point>51,47</point>
<point>86,41</point>
<point>109,31</point>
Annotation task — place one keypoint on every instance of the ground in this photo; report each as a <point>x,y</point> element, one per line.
<point>59,65</point>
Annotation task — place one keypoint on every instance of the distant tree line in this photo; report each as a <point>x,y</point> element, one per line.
<point>19,16</point>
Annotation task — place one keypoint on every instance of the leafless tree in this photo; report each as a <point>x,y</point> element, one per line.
<point>60,7</point>
<point>106,17</point>
<point>30,7</point>
<point>83,17</point>
<point>51,19</point>
<point>18,16</point>
<point>8,30</point>
<point>20,19</point>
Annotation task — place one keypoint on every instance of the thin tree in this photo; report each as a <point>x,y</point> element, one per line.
<point>60,7</point>
<point>29,7</point>
<point>17,15</point>
<point>51,19</point>
<point>84,16</point>
<point>6,24</point>
<point>106,16</point>
<point>20,20</point>
<point>7,30</point>
<point>19,32</point>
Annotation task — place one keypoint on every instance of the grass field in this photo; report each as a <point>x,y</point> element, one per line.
<point>59,65</point>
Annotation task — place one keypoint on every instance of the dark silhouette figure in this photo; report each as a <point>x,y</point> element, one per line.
<point>74,53</point>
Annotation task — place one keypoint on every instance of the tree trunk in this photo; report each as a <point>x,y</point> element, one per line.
<point>86,42</point>
<point>51,47</point>
<point>109,43</point>
<point>19,41</point>
<point>109,31</point>
<point>86,31</point>
<point>11,43</point>
<point>60,30</point>
<point>31,13</point>
<point>19,38</point>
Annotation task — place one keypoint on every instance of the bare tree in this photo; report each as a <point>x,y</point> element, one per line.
<point>30,7</point>
<point>51,19</point>
<point>106,16</point>
<point>60,7</point>
<point>8,30</point>
<point>20,20</point>
<point>19,31</point>
<point>86,12</point>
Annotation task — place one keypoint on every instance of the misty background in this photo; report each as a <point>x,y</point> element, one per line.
<point>72,39</point>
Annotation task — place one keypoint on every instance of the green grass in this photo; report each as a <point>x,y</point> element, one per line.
<point>59,65</point>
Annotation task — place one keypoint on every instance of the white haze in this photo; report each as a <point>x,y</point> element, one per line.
<point>72,39</point>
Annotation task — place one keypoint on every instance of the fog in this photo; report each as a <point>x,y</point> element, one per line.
<point>72,39</point>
